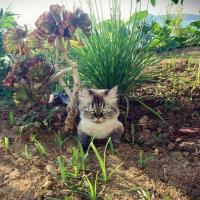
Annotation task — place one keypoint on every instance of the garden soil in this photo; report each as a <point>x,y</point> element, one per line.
<point>173,171</point>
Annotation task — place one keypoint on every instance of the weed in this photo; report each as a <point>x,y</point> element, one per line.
<point>11,116</point>
<point>143,161</point>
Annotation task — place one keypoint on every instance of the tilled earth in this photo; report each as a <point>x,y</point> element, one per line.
<point>175,144</point>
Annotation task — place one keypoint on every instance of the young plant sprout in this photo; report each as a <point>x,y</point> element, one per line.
<point>143,161</point>
<point>11,116</point>
<point>91,190</point>
<point>102,161</point>
<point>40,147</point>
<point>26,152</point>
<point>7,143</point>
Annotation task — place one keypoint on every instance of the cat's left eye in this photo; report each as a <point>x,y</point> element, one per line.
<point>105,109</point>
<point>91,109</point>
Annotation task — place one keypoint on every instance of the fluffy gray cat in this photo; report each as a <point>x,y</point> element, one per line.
<point>99,116</point>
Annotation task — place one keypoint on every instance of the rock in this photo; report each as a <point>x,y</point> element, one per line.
<point>48,184</point>
<point>37,194</point>
<point>50,193</point>
<point>152,124</point>
<point>143,121</point>
<point>15,130</point>
<point>6,177</point>
<point>49,178</point>
<point>20,160</point>
<point>39,163</point>
<point>171,146</point>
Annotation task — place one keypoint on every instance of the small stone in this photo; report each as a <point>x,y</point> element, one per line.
<point>49,178</point>
<point>47,184</point>
<point>196,159</point>
<point>39,163</point>
<point>6,177</point>
<point>171,146</point>
<point>37,195</point>
<point>171,128</point>
<point>20,160</point>
<point>69,150</point>
<point>186,153</point>
<point>15,130</point>
<point>186,163</point>
<point>143,121</point>
<point>50,193</point>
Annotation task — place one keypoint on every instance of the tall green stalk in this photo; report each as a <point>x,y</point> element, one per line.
<point>114,54</point>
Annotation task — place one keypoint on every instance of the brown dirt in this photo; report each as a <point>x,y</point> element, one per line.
<point>174,171</point>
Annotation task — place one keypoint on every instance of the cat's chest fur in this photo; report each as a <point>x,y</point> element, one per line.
<point>98,130</point>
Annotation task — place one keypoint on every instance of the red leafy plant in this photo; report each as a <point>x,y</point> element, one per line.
<point>31,76</point>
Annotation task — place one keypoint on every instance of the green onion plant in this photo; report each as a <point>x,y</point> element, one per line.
<point>102,162</point>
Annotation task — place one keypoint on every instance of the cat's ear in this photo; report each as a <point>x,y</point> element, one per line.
<point>112,92</point>
<point>85,92</point>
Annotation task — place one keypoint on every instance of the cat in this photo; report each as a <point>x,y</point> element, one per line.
<point>99,116</point>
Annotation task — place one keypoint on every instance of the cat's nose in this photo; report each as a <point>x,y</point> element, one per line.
<point>98,117</point>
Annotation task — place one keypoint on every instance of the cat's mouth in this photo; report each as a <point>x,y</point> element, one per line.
<point>98,120</point>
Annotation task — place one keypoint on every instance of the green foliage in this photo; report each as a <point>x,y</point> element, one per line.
<point>114,54</point>
<point>11,116</point>
<point>26,152</point>
<point>6,20</point>
<point>102,161</point>
<point>143,161</point>
<point>92,190</point>
<point>40,147</point>
<point>7,143</point>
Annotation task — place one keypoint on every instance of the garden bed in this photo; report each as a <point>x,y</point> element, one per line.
<point>174,170</point>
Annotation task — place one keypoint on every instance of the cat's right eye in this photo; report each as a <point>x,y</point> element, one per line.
<point>91,109</point>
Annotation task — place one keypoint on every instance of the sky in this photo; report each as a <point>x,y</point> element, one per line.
<point>30,10</point>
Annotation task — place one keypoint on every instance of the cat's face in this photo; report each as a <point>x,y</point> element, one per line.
<point>98,105</point>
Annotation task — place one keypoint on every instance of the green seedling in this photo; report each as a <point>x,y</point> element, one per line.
<point>143,161</point>
<point>83,155</point>
<point>111,147</point>
<point>40,147</point>
<point>47,120</point>
<point>158,138</point>
<point>62,168</point>
<point>92,190</point>
<point>75,162</point>
<point>7,143</point>
<point>20,131</point>
<point>64,172</point>
<point>26,152</point>
<point>133,133</point>
<point>59,140</point>
<point>11,116</point>
<point>102,161</point>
